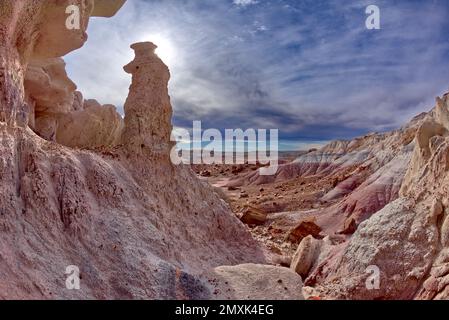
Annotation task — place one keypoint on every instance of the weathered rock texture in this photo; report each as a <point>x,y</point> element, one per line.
<point>255,282</point>
<point>306,256</point>
<point>148,111</point>
<point>91,126</point>
<point>48,87</point>
<point>132,228</point>
<point>386,209</point>
<point>136,226</point>
<point>59,112</point>
<point>407,239</point>
<point>34,36</point>
<point>35,30</point>
<point>106,8</point>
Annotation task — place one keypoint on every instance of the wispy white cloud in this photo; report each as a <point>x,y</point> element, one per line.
<point>245,3</point>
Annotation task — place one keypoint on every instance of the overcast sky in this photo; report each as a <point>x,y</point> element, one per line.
<point>309,68</point>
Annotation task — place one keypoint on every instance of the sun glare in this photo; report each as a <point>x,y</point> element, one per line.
<point>165,49</point>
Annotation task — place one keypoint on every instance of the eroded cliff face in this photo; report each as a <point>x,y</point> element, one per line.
<point>32,29</point>
<point>34,35</point>
<point>426,185</point>
<point>60,113</point>
<point>407,239</point>
<point>386,210</point>
<point>16,18</point>
<point>134,224</point>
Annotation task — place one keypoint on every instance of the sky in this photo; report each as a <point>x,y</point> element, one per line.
<point>309,68</point>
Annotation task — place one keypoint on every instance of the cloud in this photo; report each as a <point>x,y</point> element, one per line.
<point>245,3</point>
<point>308,68</point>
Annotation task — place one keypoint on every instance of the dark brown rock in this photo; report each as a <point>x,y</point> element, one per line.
<point>304,229</point>
<point>253,216</point>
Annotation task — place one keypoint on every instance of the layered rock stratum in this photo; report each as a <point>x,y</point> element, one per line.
<point>382,206</point>
<point>406,238</point>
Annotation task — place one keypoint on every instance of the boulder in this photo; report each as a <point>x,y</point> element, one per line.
<point>400,241</point>
<point>255,282</point>
<point>95,126</point>
<point>305,256</point>
<point>253,216</point>
<point>303,229</point>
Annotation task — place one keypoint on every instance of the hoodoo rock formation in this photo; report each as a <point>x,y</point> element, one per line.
<point>135,225</point>
<point>148,111</point>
